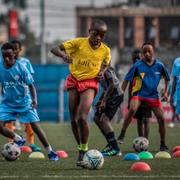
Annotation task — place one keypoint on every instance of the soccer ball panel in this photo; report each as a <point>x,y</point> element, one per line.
<point>140,144</point>
<point>11,151</point>
<point>93,159</point>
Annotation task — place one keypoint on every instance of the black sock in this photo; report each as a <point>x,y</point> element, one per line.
<point>122,134</point>
<point>110,137</point>
<point>163,143</point>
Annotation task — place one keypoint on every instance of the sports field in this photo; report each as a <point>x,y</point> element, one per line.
<point>61,138</point>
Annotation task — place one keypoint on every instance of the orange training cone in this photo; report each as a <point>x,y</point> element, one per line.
<point>176,154</point>
<point>176,148</point>
<point>140,166</point>
<point>25,149</point>
<point>62,154</point>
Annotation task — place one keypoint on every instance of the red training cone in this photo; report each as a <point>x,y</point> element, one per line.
<point>176,154</point>
<point>62,154</point>
<point>25,149</point>
<point>176,148</point>
<point>140,166</point>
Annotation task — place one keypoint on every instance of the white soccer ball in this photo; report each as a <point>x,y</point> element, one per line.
<point>93,159</point>
<point>11,151</point>
<point>140,144</point>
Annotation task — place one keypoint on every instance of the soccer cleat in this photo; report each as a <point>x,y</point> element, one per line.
<point>80,161</point>
<point>164,148</point>
<point>53,156</point>
<point>35,148</point>
<point>112,152</point>
<point>120,140</point>
<point>106,148</point>
<point>20,142</point>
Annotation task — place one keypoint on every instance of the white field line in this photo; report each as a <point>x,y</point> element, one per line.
<point>90,177</point>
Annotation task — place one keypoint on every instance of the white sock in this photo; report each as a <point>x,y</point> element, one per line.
<point>49,149</point>
<point>17,137</point>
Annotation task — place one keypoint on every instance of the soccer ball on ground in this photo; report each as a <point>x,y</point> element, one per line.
<point>11,151</point>
<point>140,144</point>
<point>93,159</point>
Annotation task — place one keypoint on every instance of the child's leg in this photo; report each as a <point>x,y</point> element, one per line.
<point>86,99</point>
<point>134,104</point>
<point>29,133</point>
<point>158,112</point>
<point>41,135</point>
<point>11,127</point>
<point>73,105</point>
<point>140,127</point>
<point>8,133</point>
<point>146,127</point>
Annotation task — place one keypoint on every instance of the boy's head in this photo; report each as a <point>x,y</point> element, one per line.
<point>97,32</point>
<point>136,55</point>
<point>17,47</point>
<point>8,54</point>
<point>147,52</point>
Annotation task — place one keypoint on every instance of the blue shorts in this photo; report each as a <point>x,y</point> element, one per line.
<point>178,107</point>
<point>10,114</point>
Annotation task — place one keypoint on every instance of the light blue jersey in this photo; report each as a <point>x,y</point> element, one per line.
<point>14,82</point>
<point>15,97</point>
<point>26,62</point>
<point>176,74</point>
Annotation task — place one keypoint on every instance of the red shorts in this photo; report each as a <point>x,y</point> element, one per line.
<point>81,86</point>
<point>149,102</point>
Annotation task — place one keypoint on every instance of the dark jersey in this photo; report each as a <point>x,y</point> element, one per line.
<point>109,79</point>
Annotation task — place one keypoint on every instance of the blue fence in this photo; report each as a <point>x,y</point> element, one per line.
<point>47,81</point>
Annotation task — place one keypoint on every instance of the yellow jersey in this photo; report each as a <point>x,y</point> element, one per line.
<point>86,62</point>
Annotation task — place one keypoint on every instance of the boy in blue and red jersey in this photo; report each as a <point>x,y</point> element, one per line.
<point>145,76</point>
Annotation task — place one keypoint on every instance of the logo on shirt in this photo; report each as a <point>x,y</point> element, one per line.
<point>16,77</point>
<point>157,72</point>
<point>142,75</point>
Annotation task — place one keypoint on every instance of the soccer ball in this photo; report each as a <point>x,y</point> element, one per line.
<point>11,151</point>
<point>93,159</point>
<point>140,144</point>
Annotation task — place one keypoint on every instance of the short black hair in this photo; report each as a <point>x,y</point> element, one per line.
<point>147,43</point>
<point>6,46</point>
<point>16,42</point>
<point>97,22</point>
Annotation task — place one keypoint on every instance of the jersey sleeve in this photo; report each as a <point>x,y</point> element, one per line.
<point>165,73</point>
<point>174,69</point>
<point>28,79</point>
<point>130,75</point>
<point>30,68</point>
<point>71,45</point>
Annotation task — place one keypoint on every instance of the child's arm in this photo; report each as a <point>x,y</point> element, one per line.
<point>33,95</point>
<point>100,75</point>
<point>60,52</point>
<point>173,90</point>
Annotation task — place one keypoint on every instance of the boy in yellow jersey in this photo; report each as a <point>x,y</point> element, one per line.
<point>25,62</point>
<point>88,59</point>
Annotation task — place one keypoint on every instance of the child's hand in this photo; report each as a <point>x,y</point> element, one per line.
<point>34,103</point>
<point>100,76</point>
<point>67,59</point>
<point>164,96</point>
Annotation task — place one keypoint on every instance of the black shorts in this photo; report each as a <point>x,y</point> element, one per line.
<point>143,112</point>
<point>111,107</point>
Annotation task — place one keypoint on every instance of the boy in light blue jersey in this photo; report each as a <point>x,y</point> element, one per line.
<point>27,64</point>
<point>16,80</point>
<point>176,85</point>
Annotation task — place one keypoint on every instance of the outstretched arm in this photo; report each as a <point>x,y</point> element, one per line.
<point>59,51</point>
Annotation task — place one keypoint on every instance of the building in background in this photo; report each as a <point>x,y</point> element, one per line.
<point>131,26</point>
